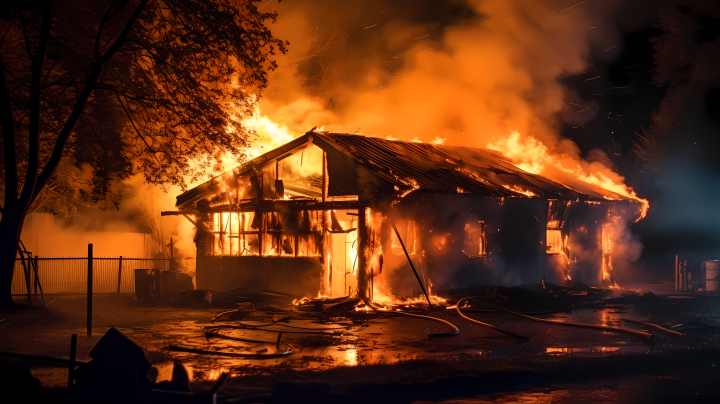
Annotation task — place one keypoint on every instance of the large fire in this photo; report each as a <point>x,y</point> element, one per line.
<point>534,157</point>
<point>526,152</point>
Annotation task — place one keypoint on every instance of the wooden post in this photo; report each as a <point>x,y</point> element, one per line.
<point>324,244</point>
<point>71,370</point>
<point>372,284</point>
<point>119,274</point>
<point>89,289</point>
<point>324,178</point>
<point>362,261</point>
<point>261,241</point>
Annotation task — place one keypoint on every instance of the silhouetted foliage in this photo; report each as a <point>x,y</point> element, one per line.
<point>96,90</point>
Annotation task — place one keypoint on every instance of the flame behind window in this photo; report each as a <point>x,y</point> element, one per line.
<point>554,241</point>
<point>475,242</point>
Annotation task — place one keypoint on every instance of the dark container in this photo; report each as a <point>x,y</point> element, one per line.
<point>143,284</point>
<point>171,289</point>
<point>158,289</point>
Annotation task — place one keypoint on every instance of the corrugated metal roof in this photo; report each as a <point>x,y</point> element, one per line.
<point>446,168</point>
<point>433,168</point>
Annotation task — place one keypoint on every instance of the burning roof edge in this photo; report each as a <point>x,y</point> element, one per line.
<point>426,167</point>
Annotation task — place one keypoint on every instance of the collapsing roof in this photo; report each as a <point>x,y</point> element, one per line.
<point>424,167</point>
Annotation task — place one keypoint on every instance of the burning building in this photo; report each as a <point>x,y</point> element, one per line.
<point>335,214</point>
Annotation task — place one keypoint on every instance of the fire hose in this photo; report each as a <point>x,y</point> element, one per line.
<point>540,320</point>
<point>456,330</point>
<point>498,329</point>
<point>652,326</point>
<point>216,334</point>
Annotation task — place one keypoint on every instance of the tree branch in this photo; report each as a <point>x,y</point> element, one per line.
<point>109,14</point>
<point>127,113</point>
<point>8,128</point>
<point>37,60</point>
<point>111,88</point>
<point>64,134</point>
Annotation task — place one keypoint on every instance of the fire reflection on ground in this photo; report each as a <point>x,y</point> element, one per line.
<point>387,343</point>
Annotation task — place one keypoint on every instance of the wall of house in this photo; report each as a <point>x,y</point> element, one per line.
<point>584,224</point>
<point>515,250</point>
<point>516,244</point>
<point>435,231</point>
<point>299,276</point>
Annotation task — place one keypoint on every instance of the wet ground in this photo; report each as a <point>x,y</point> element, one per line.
<point>392,360</point>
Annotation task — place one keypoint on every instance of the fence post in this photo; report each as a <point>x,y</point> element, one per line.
<point>33,264</point>
<point>71,370</point>
<point>119,274</point>
<point>89,289</point>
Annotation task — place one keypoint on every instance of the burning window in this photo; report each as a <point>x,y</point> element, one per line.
<point>309,233</point>
<point>408,233</point>
<point>276,240</point>
<point>554,241</point>
<point>287,235</point>
<point>233,234</point>
<point>475,243</point>
<point>298,174</point>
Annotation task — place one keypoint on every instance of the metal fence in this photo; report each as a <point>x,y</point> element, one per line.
<point>69,275</point>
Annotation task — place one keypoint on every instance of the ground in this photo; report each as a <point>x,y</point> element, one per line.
<point>393,360</point>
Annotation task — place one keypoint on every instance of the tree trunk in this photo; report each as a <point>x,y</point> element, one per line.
<point>10,227</point>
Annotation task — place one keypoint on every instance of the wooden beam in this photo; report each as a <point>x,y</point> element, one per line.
<point>271,206</point>
<point>324,178</point>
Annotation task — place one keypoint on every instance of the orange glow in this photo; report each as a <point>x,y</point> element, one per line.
<point>518,189</point>
<point>534,157</point>
<point>607,249</point>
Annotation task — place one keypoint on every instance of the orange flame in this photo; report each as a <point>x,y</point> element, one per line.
<point>533,156</point>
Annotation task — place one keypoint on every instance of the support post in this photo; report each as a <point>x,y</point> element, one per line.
<point>677,275</point>
<point>324,178</point>
<point>362,260</point>
<point>71,369</point>
<point>89,289</point>
<point>119,273</point>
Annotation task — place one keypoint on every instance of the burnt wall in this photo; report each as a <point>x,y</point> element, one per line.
<point>299,276</point>
<point>515,231</point>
